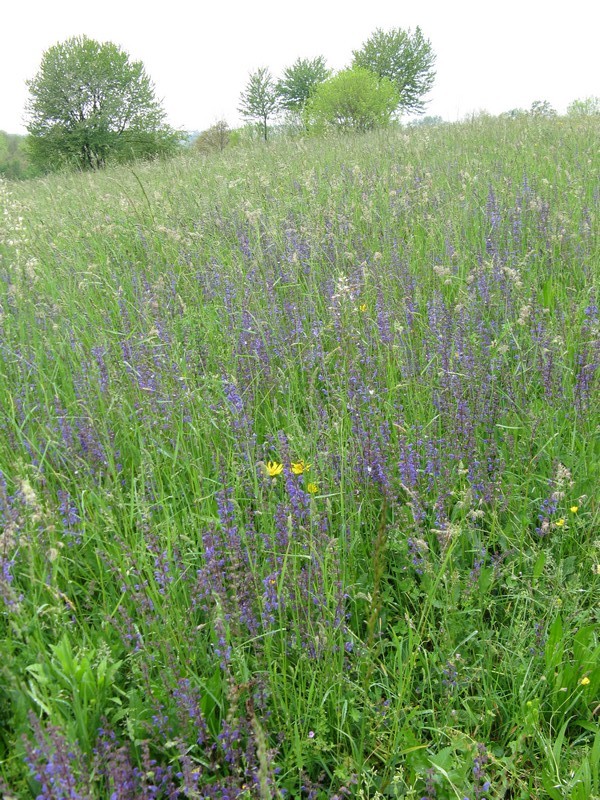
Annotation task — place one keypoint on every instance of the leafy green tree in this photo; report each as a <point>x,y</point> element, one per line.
<point>90,102</point>
<point>406,59</point>
<point>542,108</point>
<point>299,82</point>
<point>259,101</point>
<point>215,138</point>
<point>354,99</point>
<point>584,107</point>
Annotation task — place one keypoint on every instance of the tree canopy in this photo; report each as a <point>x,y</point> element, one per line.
<point>91,102</point>
<point>542,108</point>
<point>299,81</point>
<point>406,59</point>
<point>214,139</point>
<point>259,101</point>
<point>584,107</point>
<point>354,99</point>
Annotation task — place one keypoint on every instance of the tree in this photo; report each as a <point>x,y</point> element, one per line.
<point>514,113</point>
<point>423,122</point>
<point>299,82</point>
<point>214,138</point>
<point>90,102</point>
<point>404,58</point>
<point>584,107</point>
<point>542,108</point>
<point>259,101</point>
<point>354,99</point>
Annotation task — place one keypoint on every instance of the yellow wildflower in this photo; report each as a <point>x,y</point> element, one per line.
<point>559,522</point>
<point>312,488</point>
<point>362,307</point>
<point>584,681</point>
<point>574,509</point>
<point>274,468</point>
<point>298,467</point>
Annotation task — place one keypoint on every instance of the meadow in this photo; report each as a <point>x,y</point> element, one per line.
<point>299,469</point>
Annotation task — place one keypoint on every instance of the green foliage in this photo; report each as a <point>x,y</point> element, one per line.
<point>14,160</point>
<point>514,113</point>
<point>77,689</point>
<point>300,81</point>
<point>542,108</point>
<point>407,59</point>
<point>89,104</point>
<point>354,99</point>
<point>259,101</point>
<point>426,121</point>
<point>584,107</point>
<point>539,108</point>
<point>214,139</point>
<point>396,317</point>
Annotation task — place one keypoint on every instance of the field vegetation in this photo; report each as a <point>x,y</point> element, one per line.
<point>299,469</point>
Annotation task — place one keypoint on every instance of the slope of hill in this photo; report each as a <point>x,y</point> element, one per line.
<point>299,471</point>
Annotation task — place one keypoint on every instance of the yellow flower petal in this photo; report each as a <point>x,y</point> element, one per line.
<point>274,468</point>
<point>298,467</point>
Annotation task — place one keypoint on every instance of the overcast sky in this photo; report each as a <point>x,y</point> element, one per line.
<point>490,55</point>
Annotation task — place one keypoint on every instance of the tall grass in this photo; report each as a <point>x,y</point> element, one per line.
<point>299,471</point>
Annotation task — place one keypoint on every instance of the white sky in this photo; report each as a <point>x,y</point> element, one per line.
<point>491,54</point>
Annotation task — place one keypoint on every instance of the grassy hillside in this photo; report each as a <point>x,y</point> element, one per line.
<point>299,470</point>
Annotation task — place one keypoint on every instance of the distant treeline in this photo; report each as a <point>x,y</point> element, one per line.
<point>14,161</point>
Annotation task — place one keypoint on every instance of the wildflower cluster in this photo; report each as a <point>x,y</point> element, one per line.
<point>297,458</point>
